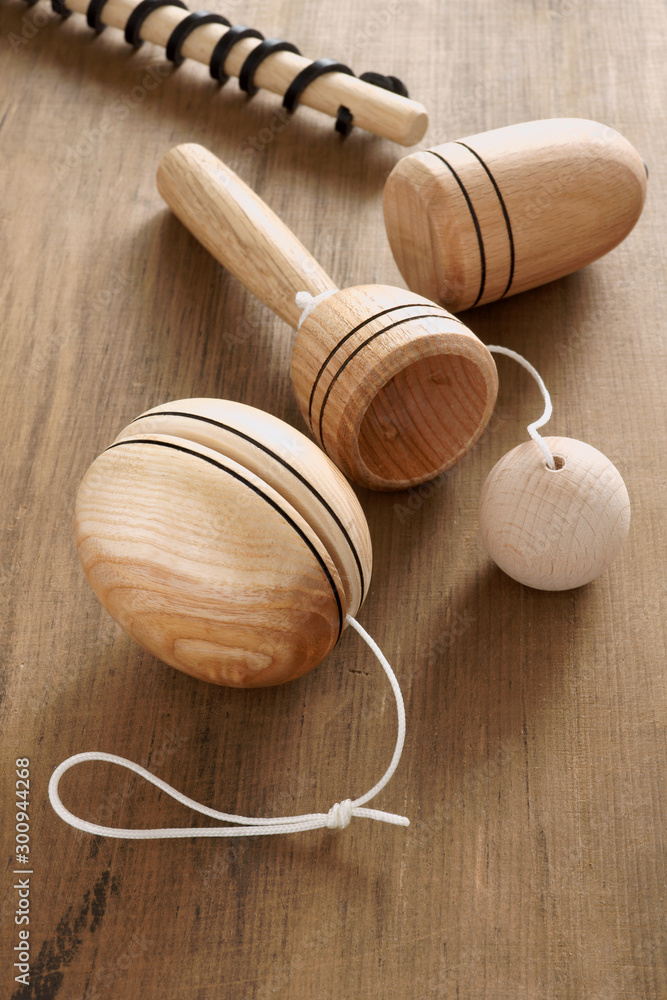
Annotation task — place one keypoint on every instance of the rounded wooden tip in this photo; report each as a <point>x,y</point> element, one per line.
<point>554,529</point>
<point>415,126</point>
<point>494,214</point>
<point>394,388</point>
<point>223,541</point>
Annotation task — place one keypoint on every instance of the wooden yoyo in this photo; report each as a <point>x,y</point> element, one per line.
<point>393,387</point>
<point>494,214</point>
<point>223,541</point>
<point>227,544</point>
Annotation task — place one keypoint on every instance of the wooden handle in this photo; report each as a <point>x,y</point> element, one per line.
<point>239,230</point>
<point>376,110</point>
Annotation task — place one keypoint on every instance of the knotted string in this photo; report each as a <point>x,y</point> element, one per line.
<point>338,817</point>
<point>307,302</point>
<point>532,428</point>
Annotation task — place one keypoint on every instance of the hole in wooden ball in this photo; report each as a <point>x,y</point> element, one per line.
<point>559,463</point>
<point>425,418</point>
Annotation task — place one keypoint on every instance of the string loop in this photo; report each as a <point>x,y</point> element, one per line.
<point>337,818</point>
<point>532,428</point>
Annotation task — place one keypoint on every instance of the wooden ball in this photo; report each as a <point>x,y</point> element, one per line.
<point>554,529</point>
<point>497,213</point>
<point>394,387</point>
<point>223,541</point>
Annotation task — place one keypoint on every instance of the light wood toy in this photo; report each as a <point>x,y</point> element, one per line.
<point>393,387</point>
<point>372,101</point>
<point>223,541</point>
<point>554,529</point>
<point>494,214</point>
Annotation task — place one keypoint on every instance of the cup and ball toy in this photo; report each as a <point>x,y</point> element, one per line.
<point>223,541</point>
<point>495,214</point>
<point>393,387</point>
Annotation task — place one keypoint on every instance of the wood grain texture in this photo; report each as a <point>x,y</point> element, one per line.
<point>226,555</point>
<point>395,388</point>
<point>533,770</point>
<point>381,111</point>
<point>556,526</point>
<point>491,215</point>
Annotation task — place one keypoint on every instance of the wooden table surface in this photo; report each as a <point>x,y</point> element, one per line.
<point>534,864</point>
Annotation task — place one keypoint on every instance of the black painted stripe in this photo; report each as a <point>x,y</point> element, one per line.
<point>480,240</point>
<point>284,463</point>
<point>510,235</point>
<point>360,348</point>
<point>260,493</point>
<point>360,326</point>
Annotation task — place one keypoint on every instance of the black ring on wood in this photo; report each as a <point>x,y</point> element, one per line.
<point>345,118</point>
<point>60,8</point>
<point>257,57</point>
<point>224,47</point>
<point>343,121</point>
<point>94,15</point>
<point>391,83</point>
<point>139,15</point>
<point>308,76</point>
<point>185,28</point>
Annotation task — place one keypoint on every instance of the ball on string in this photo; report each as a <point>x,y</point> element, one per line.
<point>554,529</point>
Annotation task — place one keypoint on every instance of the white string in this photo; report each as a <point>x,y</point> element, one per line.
<point>307,302</point>
<point>338,816</point>
<point>532,428</point>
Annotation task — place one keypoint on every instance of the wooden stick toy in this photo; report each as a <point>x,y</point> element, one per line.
<point>393,387</point>
<point>224,541</point>
<point>376,103</point>
<point>494,214</point>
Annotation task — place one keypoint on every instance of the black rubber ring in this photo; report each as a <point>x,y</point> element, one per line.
<point>257,57</point>
<point>185,28</point>
<point>308,76</point>
<point>345,118</point>
<point>139,15</point>
<point>391,83</point>
<point>60,8</point>
<point>343,121</point>
<point>225,46</point>
<point>94,15</point>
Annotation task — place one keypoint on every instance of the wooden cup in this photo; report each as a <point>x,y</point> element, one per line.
<point>494,214</point>
<point>223,541</point>
<point>393,387</point>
